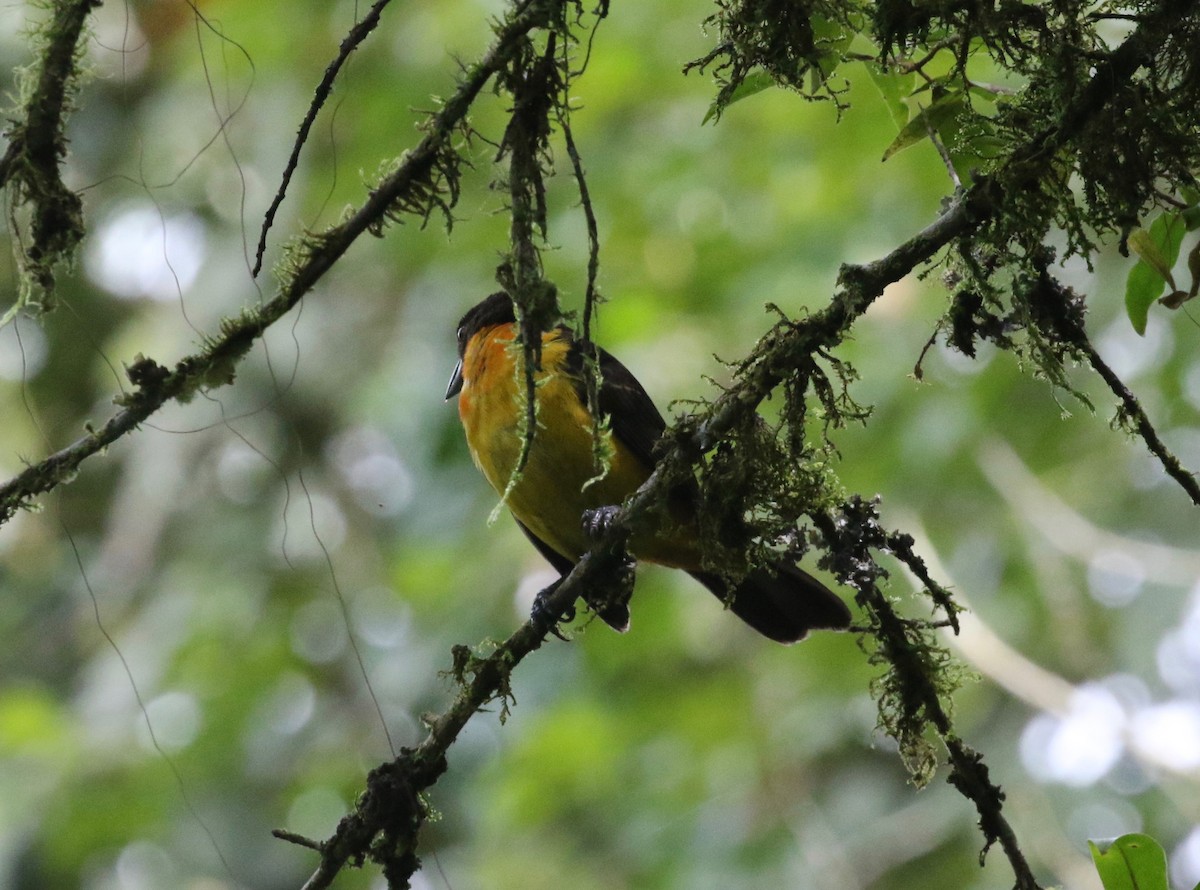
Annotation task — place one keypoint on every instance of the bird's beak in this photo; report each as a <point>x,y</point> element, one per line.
<point>456,382</point>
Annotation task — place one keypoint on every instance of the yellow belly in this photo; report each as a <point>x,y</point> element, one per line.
<point>558,481</point>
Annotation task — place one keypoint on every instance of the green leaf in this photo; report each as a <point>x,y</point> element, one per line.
<point>832,39</point>
<point>1152,255</point>
<point>1191,217</point>
<point>894,88</point>
<point>937,115</point>
<point>1131,862</point>
<point>753,83</point>
<point>1157,251</point>
<point>1142,288</point>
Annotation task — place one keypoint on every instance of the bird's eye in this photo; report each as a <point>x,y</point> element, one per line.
<point>459,333</point>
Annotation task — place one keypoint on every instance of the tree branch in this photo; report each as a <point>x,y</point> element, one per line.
<point>388,816</point>
<point>37,146</point>
<point>917,679</point>
<point>791,344</point>
<point>1132,415</point>
<point>416,177</point>
<point>350,43</point>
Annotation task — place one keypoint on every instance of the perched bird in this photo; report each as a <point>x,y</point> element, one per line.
<point>557,487</point>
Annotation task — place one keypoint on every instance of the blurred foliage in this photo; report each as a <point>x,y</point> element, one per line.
<point>193,621</point>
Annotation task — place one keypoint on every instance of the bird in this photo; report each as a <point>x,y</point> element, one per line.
<point>557,489</point>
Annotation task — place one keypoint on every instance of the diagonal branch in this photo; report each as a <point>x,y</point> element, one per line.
<point>214,365</point>
<point>360,32</point>
<point>1131,413</point>
<point>388,816</point>
<point>790,344</point>
<point>385,828</point>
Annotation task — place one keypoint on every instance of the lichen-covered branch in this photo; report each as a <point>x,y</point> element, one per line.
<point>360,32</point>
<point>389,814</point>
<point>532,79</point>
<point>423,179</point>
<point>36,147</point>
<point>918,679</point>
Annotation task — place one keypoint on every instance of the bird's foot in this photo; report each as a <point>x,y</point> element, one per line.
<point>598,521</point>
<point>546,614</point>
<point>610,599</point>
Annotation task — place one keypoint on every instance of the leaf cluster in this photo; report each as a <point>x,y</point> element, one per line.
<point>1077,117</point>
<point>797,45</point>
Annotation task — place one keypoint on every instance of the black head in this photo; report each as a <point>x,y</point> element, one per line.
<point>496,309</point>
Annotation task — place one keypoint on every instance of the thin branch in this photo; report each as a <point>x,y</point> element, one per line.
<point>1132,414</point>
<point>214,365</point>
<point>1061,309</point>
<point>298,839</point>
<point>533,83</point>
<point>591,294</point>
<point>912,692</point>
<point>350,43</point>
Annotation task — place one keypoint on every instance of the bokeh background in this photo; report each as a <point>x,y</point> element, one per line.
<point>190,626</point>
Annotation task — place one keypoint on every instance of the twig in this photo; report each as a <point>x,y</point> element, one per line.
<point>214,365</point>
<point>1132,414</point>
<point>298,839</point>
<point>350,43</point>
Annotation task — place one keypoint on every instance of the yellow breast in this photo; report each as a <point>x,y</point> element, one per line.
<point>559,480</point>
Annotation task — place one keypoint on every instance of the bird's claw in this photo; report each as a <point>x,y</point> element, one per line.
<point>542,613</point>
<point>598,521</point>
<point>610,599</point>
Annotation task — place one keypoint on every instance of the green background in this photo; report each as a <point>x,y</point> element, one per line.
<point>229,573</point>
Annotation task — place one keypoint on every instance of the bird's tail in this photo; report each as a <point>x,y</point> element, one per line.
<point>783,603</point>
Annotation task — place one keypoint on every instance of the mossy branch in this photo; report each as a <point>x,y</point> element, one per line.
<point>915,691</point>
<point>387,817</point>
<point>423,177</point>
<point>36,147</point>
<point>989,200</point>
<point>359,33</point>
<point>915,688</point>
<point>532,80</point>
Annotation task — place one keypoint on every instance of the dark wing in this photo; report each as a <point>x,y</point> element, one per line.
<point>635,419</point>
